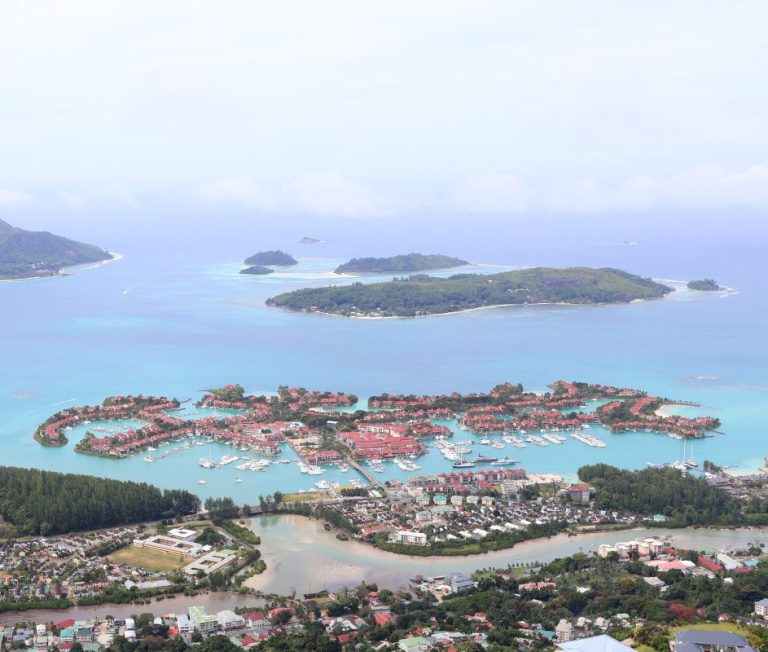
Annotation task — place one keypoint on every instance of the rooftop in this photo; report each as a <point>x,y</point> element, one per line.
<point>602,643</point>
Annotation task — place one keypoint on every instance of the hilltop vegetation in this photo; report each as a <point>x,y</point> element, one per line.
<point>403,264</point>
<point>26,254</point>
<point>683,499</point>
<point>275,257</point>
<point>705,285</point>
<point>256,269</point>
<point>425,295</point>
<point>45,502</point>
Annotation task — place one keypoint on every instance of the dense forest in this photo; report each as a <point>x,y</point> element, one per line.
<point>256,269</point>
<point>403,264</point>
<point>682,498</point>
<point>275,257</point>
<point>705,285</point>
<point>38,253</point>
<point>420,295</point>
<point>46,502</point>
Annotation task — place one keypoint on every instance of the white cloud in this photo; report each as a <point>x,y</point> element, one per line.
<point>698,187</point>
<point>13,197</point>
<point>172,93</point>
<point>71,200</point>
<point>492,192</point>
<point>317,193</point>
<point>713,186</point>
<point>238,189</point>
<point>330,193</point>
<point>579,196</point>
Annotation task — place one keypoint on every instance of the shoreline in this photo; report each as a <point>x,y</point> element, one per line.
<point>527,543</point>
<point>61,272</point>
<point>364,317</point>
<point>564,304</point>
<point>668,409</point>
<point>302,557</point>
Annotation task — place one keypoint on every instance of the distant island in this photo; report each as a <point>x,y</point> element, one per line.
<point>30,254</point>
<point>704,285</point>
<point>276,257</point>
<point>424,295</point>
<point>256,269</point>
<point>402,264</point>
<point>308,240</point>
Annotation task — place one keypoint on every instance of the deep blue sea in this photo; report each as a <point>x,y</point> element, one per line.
<point>173,317</point>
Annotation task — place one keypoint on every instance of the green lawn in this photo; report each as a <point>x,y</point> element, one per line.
<point>151,560</point>
<point>512,572</point>
<point>196,525</point>
<point>306,497</point>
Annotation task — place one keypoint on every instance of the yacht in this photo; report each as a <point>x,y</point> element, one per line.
<point>504,461</point>
<point>238,480</point>
<point>201,482</point>
<point>463,464</point>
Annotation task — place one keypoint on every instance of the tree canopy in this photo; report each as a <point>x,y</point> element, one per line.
<point>418,295</point>
<point>682,498</point>
<point>404,263</point>
<point>46,502</point>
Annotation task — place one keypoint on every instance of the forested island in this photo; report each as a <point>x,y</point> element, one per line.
<point>424,295</point>
<point>704,285</point>
<point>46,502</point>
<point>30,254</point>
<point>402,264</point>
<point>257,269</point>
<point>276,257</point>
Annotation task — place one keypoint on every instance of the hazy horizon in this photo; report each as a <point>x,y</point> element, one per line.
<point>343,110</point>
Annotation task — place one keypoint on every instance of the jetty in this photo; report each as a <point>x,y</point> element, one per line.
<point>366,473</point>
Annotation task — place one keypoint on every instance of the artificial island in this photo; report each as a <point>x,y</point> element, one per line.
<point>322,431</point>
<point>420,294</point>
<point>179,548</point>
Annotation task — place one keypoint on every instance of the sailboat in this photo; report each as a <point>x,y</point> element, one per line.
<point>691,462</point>
<point>207,462</point>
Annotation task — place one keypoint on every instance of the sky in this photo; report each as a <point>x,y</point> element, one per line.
<point>381,108</point>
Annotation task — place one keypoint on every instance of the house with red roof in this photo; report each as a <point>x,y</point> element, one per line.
<point>384,618</point>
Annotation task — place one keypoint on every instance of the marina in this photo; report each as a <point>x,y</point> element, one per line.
<point>589,440</point>
<point>191,365</point>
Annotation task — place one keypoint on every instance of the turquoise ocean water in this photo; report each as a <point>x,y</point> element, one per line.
<point>176,320</point>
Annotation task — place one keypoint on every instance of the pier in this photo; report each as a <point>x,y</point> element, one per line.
<point>372,479</point>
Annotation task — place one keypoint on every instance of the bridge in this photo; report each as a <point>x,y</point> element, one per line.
<point>366,473</point>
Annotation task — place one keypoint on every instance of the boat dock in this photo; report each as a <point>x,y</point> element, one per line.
<point>365,472</point>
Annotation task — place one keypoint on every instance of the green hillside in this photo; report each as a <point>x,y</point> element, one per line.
<point>25,254</point>
<point>424,295</point>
